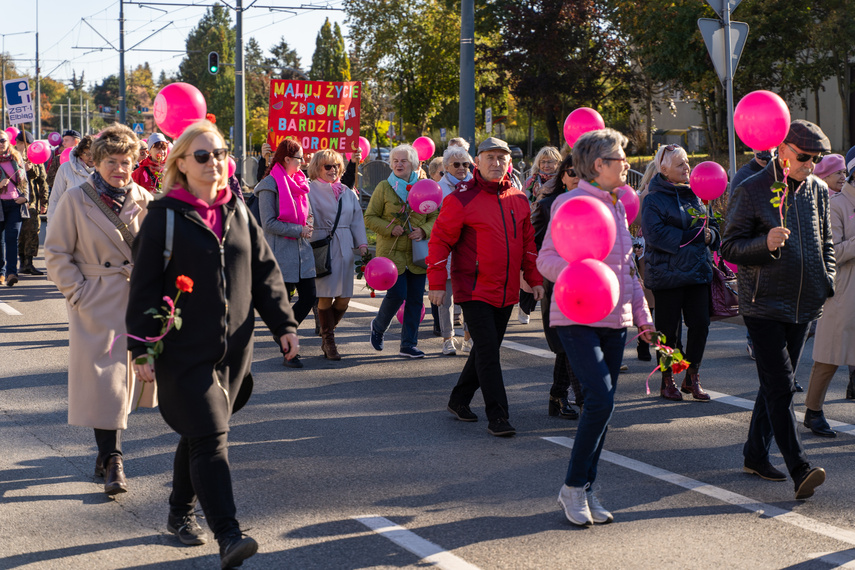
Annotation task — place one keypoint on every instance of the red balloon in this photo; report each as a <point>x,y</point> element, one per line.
<point>55,139</point>
<point>38,152</point>
<point>381,273</point>
<point>232,166</point>
<point>400,313</point>
<point>581,121</point>
<point>762,120</point>
<point>424,147</point>
<point>65,156</point>
<point>177,106</point>
<point>708,180</point>
<point>630,202</point>
<point>425,196</point>
<point>13,134</point>
<point>583,228</point>
<point>586,291</point>
<point>365,147</point>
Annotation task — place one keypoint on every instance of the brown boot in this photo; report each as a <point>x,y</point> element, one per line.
<point>692,385</point>
<point>669,390</point>
<point>327,320</point>
<point>114,479</point>
<point>339,314</point>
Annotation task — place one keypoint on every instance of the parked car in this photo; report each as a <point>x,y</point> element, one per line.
<point>516,152</point>
<point>379,153</point>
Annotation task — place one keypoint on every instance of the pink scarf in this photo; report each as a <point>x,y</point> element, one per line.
<point>211,214</point>
<point>293,195</point>
<point>337,187</point>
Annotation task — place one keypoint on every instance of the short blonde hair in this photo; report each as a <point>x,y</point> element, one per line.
<point>117,139</point>
<point>545,152</point>
<point>434,165</point>
<point>172,175</point>
<point>666,154</point>
<point>322,157</point>
<point>411,153</point>
<point>459,141</point>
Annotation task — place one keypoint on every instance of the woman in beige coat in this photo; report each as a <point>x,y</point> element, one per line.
<point>834,344</point>
<point>90,262</point>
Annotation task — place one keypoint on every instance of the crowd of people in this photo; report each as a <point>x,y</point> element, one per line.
<point>131,223</point>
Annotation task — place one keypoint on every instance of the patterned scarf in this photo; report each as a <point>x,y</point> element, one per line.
<point>113,197</point>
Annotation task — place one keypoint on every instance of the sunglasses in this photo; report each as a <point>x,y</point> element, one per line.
<point>202,156</point>
<point>3,140</point>
<point>571,172</point>
<point>330,166</point>
<point>459,164</point>
<point>804,157</point>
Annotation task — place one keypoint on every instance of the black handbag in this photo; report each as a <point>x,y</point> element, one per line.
<point>321,249</point>
<point>724,296</point>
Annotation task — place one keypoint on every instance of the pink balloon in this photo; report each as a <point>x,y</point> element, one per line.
<point>424,147</point>
<point>177,106</point>
<point>12,132</point>
<point>232,166</point>
<point>400,313</point>
<point>425,196</point>
<point>381,273</point>
<point>55,139</point>
<point>708,180</point>
<point>583,228</point>
<point>762,120</point>
<point>586,291</point>
<point>38,152</point>
<point>581,121</point>
<point>66,155</point>
<point>365,147</point>
<point>630,202</point>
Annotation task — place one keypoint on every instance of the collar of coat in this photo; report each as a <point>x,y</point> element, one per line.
<point>478,181</point>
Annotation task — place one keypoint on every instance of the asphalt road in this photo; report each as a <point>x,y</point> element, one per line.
<point>357,464</point>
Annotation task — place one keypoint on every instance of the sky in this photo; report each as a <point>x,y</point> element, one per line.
<point>64,26</point>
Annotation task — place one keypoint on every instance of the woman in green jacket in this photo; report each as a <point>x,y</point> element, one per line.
<point>397,227</point>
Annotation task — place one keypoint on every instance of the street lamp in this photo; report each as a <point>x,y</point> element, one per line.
<point>3,57</point>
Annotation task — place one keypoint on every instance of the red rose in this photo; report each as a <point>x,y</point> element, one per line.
<point>680,366</point>
<point>184,284</point>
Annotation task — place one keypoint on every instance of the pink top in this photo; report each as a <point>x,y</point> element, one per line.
<point>212,215</point>
<point>10,191</point>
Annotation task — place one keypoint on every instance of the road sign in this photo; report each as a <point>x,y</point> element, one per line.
<point>488,119</point>
<point>19,101</point>
<point>442,132</point>
<point>713,33</point>
<point>138,128</point>
<point>718,5</point>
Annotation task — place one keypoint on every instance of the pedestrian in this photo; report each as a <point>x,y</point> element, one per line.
<point>28,241</point>
<point>397,227</point>
<point>337,213</point>
<point>88,257</point>
<point>485,226</point>
<point>435,171</point>
<point>203,372</point>
<point>834,343</point>
<point>785,256</point>
<point>73,172</point>
<point>149,174</point>
<point>286,217</point>
<point>595,350</point>
<point>832,170</point>
<point>563,378</point>
<point>542,170</point>
<point>70,139</point>
<point>14,198</point>
<point>680,234</point>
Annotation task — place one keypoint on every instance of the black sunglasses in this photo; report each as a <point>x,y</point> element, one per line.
<point>2,141</point>
<point>330,166</point>
<point>202,156</point>
<point>459,164</point>
<point>804,157</point>
<point>571,172</point>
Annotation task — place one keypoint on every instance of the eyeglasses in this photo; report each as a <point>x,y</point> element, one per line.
<point>619,159</point>
<point>804,157</point>
<point>459,164</point>
<point>297,157</point>
<point>202,156</point>
<point>330,166</point>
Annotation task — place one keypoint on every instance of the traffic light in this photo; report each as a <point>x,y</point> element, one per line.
<point>213,63</point>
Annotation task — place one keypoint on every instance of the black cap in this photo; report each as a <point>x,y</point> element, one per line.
<point>72,133</point>
<point>807,136</point>
<point>25,136</point>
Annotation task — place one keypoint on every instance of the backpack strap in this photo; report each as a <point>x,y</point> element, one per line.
<point>170,237</point>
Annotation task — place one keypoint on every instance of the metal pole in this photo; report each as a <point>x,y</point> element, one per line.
<point>240,98</point>
<point>38,105</point>
<point>123,113</point>
<point>467,71</point>
<point>728,59</point>
<point>61,118</point>
<point>82,129</point>
<point>70,124</point>
<point>86,132</point>
<point>4,82</point>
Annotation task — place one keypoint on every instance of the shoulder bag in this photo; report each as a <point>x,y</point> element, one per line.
<point>111,215</point>
<point>724,296</point>
<point>321,248</point>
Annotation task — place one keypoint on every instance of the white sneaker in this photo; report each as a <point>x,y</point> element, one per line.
<point>448,347</point>
<point>467,346</point>
<point>524,319</point>
<point>598,513</point>
<point>574,501</point>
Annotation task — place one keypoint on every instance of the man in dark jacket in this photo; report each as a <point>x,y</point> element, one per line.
<point>785,255</point>
<point>486,222</point>
<point>70,139</point>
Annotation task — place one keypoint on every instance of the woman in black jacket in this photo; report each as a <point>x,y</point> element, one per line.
<point>679,263</point>
<point>203,373</point>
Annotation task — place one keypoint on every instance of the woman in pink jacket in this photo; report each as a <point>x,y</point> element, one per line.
<point>595,351</point>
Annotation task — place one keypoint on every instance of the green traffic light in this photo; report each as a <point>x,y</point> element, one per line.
<point>214,69</point>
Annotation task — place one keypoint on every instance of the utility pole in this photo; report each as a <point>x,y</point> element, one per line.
<point>123,112</point>
<point>38,104</point>
<point>240,97</point>
<point>467,71</point>
<point>731,138</point>
<point>3,75</point>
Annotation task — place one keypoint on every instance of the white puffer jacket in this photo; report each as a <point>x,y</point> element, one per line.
<point>70,174</point>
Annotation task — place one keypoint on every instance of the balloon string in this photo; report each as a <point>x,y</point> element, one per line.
<point>703,227</point>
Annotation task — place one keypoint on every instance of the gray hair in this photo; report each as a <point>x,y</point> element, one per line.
<point>666,157</point>
<point>453,153</point>
<point>459,141</point>
<point>411,153</point>
<point>593,145</point>
<point>545,152</point>
<point>434,166</point>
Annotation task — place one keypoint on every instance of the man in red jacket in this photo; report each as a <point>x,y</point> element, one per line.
<point>486,223</point>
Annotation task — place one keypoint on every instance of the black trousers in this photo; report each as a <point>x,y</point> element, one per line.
<point>306,297</point>
<point>563,377</point>
<point>109,442</point>
<point>692,302</point>
<point>483,369</point>
<point>201,469</point>
<point>777,348</point>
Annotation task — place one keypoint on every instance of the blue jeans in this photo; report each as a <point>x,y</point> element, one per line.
<point>595,355</point>
<point>10,227</point>
<point>409,287</point>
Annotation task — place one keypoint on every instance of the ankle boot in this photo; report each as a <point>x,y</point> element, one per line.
<point>692,385</point>
<point>669,390</point>
<point>114,479</point>
<point>327,320</point>
<point>32,268</point>
<point>850,389</point>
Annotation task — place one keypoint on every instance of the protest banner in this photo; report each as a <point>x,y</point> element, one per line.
<point>317,114</point>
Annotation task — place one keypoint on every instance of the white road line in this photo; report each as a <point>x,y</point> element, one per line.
<point>424,549</point>
<point>9,310</point>
<point>723,495</point>
<point>528,349</point>
<point>363,306</point>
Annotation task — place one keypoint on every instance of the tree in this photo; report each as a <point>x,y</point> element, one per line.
<point>257,76</point>
<point>286,59</point>
<point>330,61</point>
